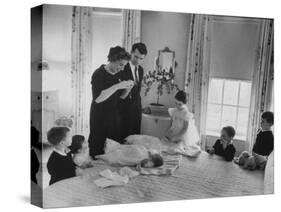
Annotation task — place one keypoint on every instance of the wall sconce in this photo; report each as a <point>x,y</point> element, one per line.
<point>42,66</point>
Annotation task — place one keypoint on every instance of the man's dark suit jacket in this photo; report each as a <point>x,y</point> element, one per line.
<point>130,107</point>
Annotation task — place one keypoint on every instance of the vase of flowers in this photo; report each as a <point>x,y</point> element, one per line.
<point>164,79</point>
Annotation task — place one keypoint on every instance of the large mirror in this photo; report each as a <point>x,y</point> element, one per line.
<point>165,60</point>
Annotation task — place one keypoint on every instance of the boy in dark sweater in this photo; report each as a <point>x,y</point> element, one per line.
<point>223,146</point>
<point>264,141</point>
<point>60,164</point>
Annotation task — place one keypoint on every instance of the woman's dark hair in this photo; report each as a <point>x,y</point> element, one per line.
<point>77,141</point>
<point>118,53</point>
<point>140,47</point>
<point>268,116</point>
<point>157,160</point>
<point>56,134</point>
<point>181,96</point>
<point>230,131</point>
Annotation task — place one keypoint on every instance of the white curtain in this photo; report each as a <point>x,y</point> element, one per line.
<point>197,74</point>
<point>131,28</point>
<point>262,80</point>
<point>81,66</point>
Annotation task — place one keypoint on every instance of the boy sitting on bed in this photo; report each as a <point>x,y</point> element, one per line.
<point>264,140</point>
<point>60,164</point>
<point>262,147</point>
<point>223,146</point>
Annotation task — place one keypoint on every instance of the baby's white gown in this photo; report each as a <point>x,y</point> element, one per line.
<point>189,143</point>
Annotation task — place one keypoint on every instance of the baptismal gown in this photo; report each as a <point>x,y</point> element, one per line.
<point>189,143</point>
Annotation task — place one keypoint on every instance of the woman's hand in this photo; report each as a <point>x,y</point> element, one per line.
<point>131,84</point>
<point>106,93</point>
<point>127,84</point>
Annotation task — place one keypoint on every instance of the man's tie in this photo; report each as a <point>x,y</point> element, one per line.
<point>136,75</point>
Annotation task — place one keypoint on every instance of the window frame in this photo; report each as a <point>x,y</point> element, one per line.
<point>237,106</point>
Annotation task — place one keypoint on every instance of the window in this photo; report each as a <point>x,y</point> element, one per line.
<point>106,33</point>
<point>228,105</point>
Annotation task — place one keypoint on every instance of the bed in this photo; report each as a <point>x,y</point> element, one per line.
<point>203,177</point>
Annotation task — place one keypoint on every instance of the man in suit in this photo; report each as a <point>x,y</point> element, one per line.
<point>130,107</point>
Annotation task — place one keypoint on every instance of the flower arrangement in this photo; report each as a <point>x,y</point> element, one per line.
<point>163,79</point>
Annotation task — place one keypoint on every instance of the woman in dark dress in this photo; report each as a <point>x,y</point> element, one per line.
<point>107,89</point>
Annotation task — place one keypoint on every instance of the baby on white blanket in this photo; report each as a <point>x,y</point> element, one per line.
<point>130,155</point>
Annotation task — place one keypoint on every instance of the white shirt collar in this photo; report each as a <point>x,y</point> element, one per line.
<point>60,152</point>
<point>132,66</point>
<point>262,130</point>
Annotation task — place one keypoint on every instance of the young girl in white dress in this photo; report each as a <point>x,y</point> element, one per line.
<point>182,135</point>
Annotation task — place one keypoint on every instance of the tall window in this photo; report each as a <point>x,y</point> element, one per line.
<point>107,33</point>
<point>228,105</point>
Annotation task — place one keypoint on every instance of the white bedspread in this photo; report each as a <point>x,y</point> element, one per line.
<point>203,177</point>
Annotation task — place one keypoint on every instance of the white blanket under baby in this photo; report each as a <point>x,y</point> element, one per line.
<point>125,155</point>
<point>109,178</point>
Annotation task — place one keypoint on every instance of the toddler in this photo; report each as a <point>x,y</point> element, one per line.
<point>223,146</point>
<point>80,150</point>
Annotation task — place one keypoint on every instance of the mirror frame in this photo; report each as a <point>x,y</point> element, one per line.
<point>174,63</point>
